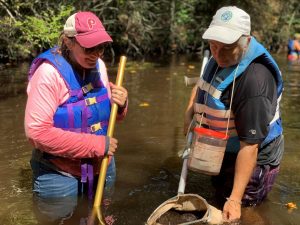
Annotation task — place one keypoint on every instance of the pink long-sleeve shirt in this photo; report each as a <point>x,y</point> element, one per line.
<point>46,91</point>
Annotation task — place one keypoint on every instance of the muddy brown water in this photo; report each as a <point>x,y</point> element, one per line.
<point>147,160</point>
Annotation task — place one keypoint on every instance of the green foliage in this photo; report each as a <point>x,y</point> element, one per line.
<point>42,32</point>
<point>26,35</point>
<point>139,27</point>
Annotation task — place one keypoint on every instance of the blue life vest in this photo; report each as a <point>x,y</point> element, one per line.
<point>291,49</point>
<point>88,108</point>
<point>211,86</point>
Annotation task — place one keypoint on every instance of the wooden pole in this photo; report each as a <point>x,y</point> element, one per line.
<point>110,131</point>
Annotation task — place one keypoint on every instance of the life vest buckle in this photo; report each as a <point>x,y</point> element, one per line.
<point>90,101</point>
<point>87,88</point>
<point>96,127</point>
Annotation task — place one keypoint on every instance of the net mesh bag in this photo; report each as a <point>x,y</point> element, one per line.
<point>185,209</point>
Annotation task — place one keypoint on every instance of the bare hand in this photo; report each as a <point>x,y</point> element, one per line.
<point>231,211</point>
<point>119,94</point>
<point>113,144</point>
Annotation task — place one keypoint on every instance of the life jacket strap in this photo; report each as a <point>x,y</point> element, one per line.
<point>213,122</point>
<point>90,101</point>
<point>221,113</point>
<point>70,116</point>
<point>87,176</point>
<point>79,93</point>
<point>84,121</point>
<point>89,129</point>
<point>205,86</point>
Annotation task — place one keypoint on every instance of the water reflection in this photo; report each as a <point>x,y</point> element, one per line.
<point>13,81</point>
<point>148,167</point>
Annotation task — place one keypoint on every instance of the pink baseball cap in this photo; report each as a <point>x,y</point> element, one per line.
<point>87,29</point>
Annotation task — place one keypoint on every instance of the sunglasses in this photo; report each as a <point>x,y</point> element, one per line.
<point>99,49</point>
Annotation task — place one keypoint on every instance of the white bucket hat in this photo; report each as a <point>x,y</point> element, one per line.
<point>228,25</point>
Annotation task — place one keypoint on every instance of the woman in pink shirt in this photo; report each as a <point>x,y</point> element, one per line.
<point>68,108</point>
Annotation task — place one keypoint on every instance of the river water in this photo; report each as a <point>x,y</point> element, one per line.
<point>150,138</point>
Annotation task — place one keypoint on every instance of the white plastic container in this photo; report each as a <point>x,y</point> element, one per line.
<point>207,151</point>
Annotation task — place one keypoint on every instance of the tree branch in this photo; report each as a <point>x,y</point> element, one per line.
<point>7,10</point>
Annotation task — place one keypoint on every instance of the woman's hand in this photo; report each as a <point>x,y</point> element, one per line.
<point>113,144</point>
<point>119,95</point>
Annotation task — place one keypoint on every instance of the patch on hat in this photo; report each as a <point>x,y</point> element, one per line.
<point>91,23</point>
<point>226,16</point>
